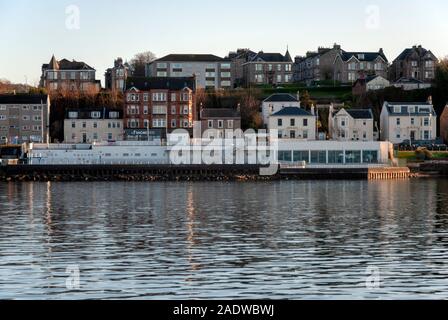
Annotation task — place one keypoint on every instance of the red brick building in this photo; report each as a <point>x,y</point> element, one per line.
<point>156,106</point>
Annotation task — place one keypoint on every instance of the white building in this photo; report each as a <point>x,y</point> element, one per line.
<point>408,121</point>
<point>335,153</point>
<point>351,125</point>
<point>93,125</point>
<point>293,123</point>
<point>277,102</point>
<point>210,71</point>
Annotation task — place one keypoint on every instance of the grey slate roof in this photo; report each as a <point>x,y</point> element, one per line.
<point>143,83</point>
<point>421,52</point>
<point>368,56</point>
<point>23,98</point>
<point>272,57</point>
<point>191,58</point>
<point>65,64</point>
<point>360,113</point>
<point>292,111</point>
<point>408,80</point>
<point>86,113</point>
<point>208,113</point>
<point>281,97</point>
<point>404,111</point>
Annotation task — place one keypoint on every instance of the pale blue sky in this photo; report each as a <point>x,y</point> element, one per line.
<point>32,30</point>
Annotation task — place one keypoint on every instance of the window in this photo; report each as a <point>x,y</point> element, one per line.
<point>185,97</point>
<point>292,122</point>
<point>109,136</point>
<point>258,67</point>
<point>259,78</point>
<point>95,125</point>
<point>26,118</point>
<point>398,121</point>
<point>159,123</point>
<point>352,66</point>
<point>353,157</point>
<point>73,124</point>
<point>95,136</point>
<point>369,156</point>
<point>84,125</point>
<point>299,156</point>
<point>279,78</point>
<point>279,67</point>
<point>159,96</point>
<point>210,124</point>
<point>288,67</point>
<point>173,97</point>
<point>280,122</point>
<point>426,122</point>
<point>305,134</point>
<point>95,114</point>
<point>73,115</point>
<point>186,110</point>
<point>113,114</point>
<point>318,157</point>
<point>173,110</point>
<point>285,156</point>
<point>159,109</point>
<point>220,124</point>
<point>305,122</point>
<point>292,134</point>
<point>414,64</point>
<point>37,118</point>
<point>336,157</point>
<point>412,121</point>
<point>225,65</point>
<point>351,76</point>
<point>173,123</point>
<point>230,124</point>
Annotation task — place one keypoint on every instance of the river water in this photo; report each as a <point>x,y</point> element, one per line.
<point>273,240</point>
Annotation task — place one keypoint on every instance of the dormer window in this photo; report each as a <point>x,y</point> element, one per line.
<point>397,109</point>
<point>73,114</point>
<point>361,56</point>
<point>95,114</point>
<point>113,114</point>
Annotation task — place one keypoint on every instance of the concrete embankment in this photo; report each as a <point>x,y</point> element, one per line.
<point>189,173</point>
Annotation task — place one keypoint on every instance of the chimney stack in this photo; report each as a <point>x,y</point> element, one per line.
<point>430,100</point>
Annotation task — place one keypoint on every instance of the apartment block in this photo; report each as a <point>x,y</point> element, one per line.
<point>24,118</point>
<point>209,71</point>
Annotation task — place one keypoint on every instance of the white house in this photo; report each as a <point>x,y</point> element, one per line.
<point>408,121</point>
<point>93,125</point>
<point>276,102</point>
<point>411,84</point>
<point>351,125</point>
<point>293,123</point>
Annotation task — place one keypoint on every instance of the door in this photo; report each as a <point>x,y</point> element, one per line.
<point>412,136</point>
<point>84,137</point>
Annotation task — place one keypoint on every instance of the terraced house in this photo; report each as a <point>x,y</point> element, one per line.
<point>268,68</point>
<point>210,71</point>
<point>69,76</point>
<point>350,66</point>
<point>159,104</point>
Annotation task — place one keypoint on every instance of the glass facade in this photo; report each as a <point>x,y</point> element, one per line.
<point>336,157</point>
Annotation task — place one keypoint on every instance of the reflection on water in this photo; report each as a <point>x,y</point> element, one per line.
<point>225,240</point>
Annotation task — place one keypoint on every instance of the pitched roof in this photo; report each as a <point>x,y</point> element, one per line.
<point>427,109</point>
<point>363,56</point>
<point>408,80</point>
<point>191,58</point>
<point>65,64</point>
<point>281,97</point>
<point>292,111</point>
<point>23,98</point>
<point>86,113</point>
<point>272,57</point>
<point>360,113</point>
<point>220,113</point>
<point>419,50</point>
<point>143,83</point>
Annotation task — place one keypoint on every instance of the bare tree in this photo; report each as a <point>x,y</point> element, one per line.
<point>139,62</point>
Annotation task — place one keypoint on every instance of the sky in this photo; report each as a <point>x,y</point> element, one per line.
<point>98,31</point>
